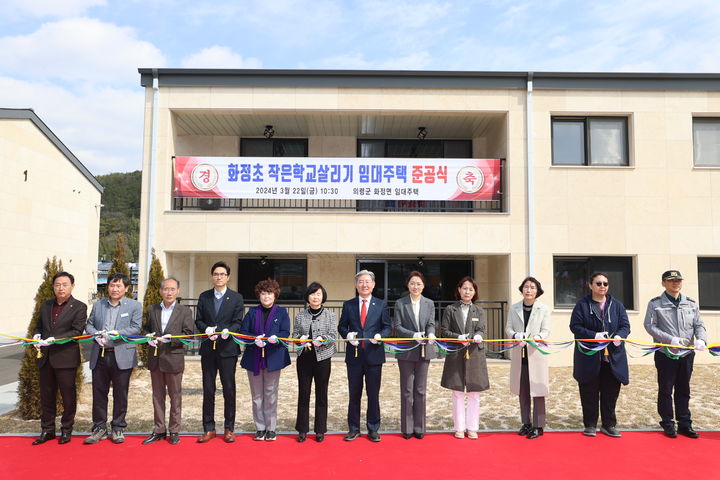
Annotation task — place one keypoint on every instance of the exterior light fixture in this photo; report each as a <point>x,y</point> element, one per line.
<point>422,133</point>
<point>269,131</point>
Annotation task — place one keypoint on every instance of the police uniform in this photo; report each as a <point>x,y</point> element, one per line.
<point>675,322</point>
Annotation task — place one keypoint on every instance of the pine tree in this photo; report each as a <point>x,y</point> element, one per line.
<point>29,376</point>
<point>152,297</point>
<point>119,265</point>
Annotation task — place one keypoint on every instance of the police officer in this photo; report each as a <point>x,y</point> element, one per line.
<point>673,318</point>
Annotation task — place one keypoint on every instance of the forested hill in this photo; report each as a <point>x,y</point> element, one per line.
<point>121,213</point>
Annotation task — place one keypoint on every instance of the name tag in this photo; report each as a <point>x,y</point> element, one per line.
<point>475,319</point>
<point>123,315</point>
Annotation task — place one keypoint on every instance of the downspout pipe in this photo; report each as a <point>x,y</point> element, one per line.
<point>529,174</point>
<point>152,173</point>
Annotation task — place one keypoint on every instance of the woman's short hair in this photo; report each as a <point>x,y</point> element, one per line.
<point>540,291</point>
<point>314,287</point>
<point>597,274</point>
<point>269,285</point>
<point>415,273</point>
<point>470,279</point>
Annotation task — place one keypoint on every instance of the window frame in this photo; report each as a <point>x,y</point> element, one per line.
<point>272,141</point>
<point>703,286</point>
<point>586,120</point>
<point>271,263</point>
<point>706,120</point>
<point>594,263</point>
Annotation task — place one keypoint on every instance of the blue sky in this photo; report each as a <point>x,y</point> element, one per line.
<point>75,61</point>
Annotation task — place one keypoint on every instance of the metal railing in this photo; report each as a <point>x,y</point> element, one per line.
<point>495,312</point>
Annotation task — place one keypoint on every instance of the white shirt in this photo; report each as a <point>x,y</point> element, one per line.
<point>464,309</point>
<point>416,312</point>
<point>219,295</point>
<point>367,304</point>
<point>165,314</point>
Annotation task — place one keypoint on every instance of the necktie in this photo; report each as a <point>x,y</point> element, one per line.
<point>363,313</point>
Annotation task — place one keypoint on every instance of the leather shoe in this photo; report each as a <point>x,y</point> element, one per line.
<point>319,437</point>
<point>207,436</point>
<point>688,432</point>
<point>374,436</point>
<point>44,437</point>
<point>174,438</point>
<point>301,437</point>
<point>65,437</point>
<point>669,431</point>
<point>229,436</point>
<point>535,433</point>
<point>352,435</point>
<point>525,429</point>
<point>610,432</point>
<point>590,431</point>
<point>154,437</point>
<point>419,436</point>
<point>407,436</point>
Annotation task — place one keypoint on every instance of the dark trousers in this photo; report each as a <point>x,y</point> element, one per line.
<point>605,389</point>
<point>106,373</point>
<point>309,369</point>
<point>170,384</point>
<point>538,403</point>
<point>674,375</point>
<point>212,364</point>
<point>52,380</point>
<point>413,386</point>
<point>372,375</point>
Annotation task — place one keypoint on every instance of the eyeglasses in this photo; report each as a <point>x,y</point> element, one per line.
<point>601,284</point>
<point>219,274</point>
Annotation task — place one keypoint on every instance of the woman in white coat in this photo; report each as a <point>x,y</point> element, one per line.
<point>529,378</point>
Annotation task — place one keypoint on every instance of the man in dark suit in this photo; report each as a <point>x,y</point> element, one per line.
<point>365,317</point>
<point>166,358</point>
<point>62,317</point>
<point>219,309</point>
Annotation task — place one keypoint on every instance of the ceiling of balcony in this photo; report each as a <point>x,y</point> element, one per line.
<point>252,124</point>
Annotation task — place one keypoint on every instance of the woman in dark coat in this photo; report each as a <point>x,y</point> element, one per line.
<point>600,316</point>
<point>465,371</point>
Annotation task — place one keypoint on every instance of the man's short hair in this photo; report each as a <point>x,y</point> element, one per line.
<point>364,272</point>
<point>64,274</point>
<point>119,276</point>
<point>220,264</point>
<point>177,282</point>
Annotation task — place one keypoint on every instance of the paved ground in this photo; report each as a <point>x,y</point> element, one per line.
<point>499,410</point>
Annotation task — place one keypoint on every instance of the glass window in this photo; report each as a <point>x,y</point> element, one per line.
<point>571,275</point>
<point>273,147</point>
<point>706,142</point>
<point>291,274</point>
<point>589,141</point>
<point>709,283</point>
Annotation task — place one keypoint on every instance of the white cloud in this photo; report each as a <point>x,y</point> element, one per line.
<point>47,8</point>
<point>219,57</point>
<point>78,49</point>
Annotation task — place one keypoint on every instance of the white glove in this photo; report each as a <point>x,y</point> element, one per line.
<point>209,332</point>
<point>464,337</point>
<point>700,344</point>
<point>225,334</point>
<point>37,338</point>
<point>679,341</point>
<point>431,338</point>
<point>165,338</point>
<point>519,335</point>
<point>352,336</point>
<point>477,338</point>
<point>111,333</point>
<point>47,342</point>
<point>616,340</point>
<point>152,343</point>
<point>601,335</point>
<point>522,344</point>
<point>318,341</point>
<point>375,339</point>
<point>537,337</point>
<point>305,337</point>
<point>418,336</point>
<point>100,340</point>
<point>259,342</point>
<point>273,339</point>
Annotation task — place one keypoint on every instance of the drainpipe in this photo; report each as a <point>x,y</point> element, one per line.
<point>530,193</point>
<point>152,168</point>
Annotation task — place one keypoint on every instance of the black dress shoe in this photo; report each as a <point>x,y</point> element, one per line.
<point>174,438</point>
<point>352,435</point>
<point>65,437</point>
<point>374,436</point>
<point>525,429</point>
<point>301,437</point>
<point>44,437</point>
<point>407,436</point>
<point>154,437</point>
<point>535,433</point>
<point>319,437</point>
<point>688,432</point>
<point>669,431</point>
<point>419,436</point>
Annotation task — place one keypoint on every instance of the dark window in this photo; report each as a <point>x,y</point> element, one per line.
<point>590,141</point>
<point>706,142</point>
<point>273,147</point>
<point>709,282</point>
<point>291,274</point>
<point>571,275</point>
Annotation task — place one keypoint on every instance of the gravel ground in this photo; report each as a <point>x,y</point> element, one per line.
<point>499,408</point>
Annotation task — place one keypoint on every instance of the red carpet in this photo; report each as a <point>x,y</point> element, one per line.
<point>639,455</point>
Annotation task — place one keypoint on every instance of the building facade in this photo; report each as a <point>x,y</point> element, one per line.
<point>611,172</point>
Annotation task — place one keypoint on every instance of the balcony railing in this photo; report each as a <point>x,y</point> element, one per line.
<point>495,312</point>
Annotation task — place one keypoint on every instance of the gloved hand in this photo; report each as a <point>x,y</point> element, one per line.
<point>318,341</point>
<point>47,342</point>
<point>351,336</point>
<point>273,339</point>
<point>100,340</point>
<point>418,336</point>
<point>431,338</point>
<point>616,340</point>
<point>375,339</point>
<point>477,338</point>
<point>305,337</point>
<point>464,337</point>
<point>700,344</point>
<point>152,343</point>
<point>111,334</point>
<point>209,332</point>
<point>37,338</point>
<point>259,342</point>
<point>225,334</point>
<point>683,342</point>
<point>601,335</point>
<point>522,344</point>
<point>165,338</point>
<point>519,335</point>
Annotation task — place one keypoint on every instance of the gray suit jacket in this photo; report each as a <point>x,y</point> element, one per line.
<point>128,322</point>
<point>404,326</point>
